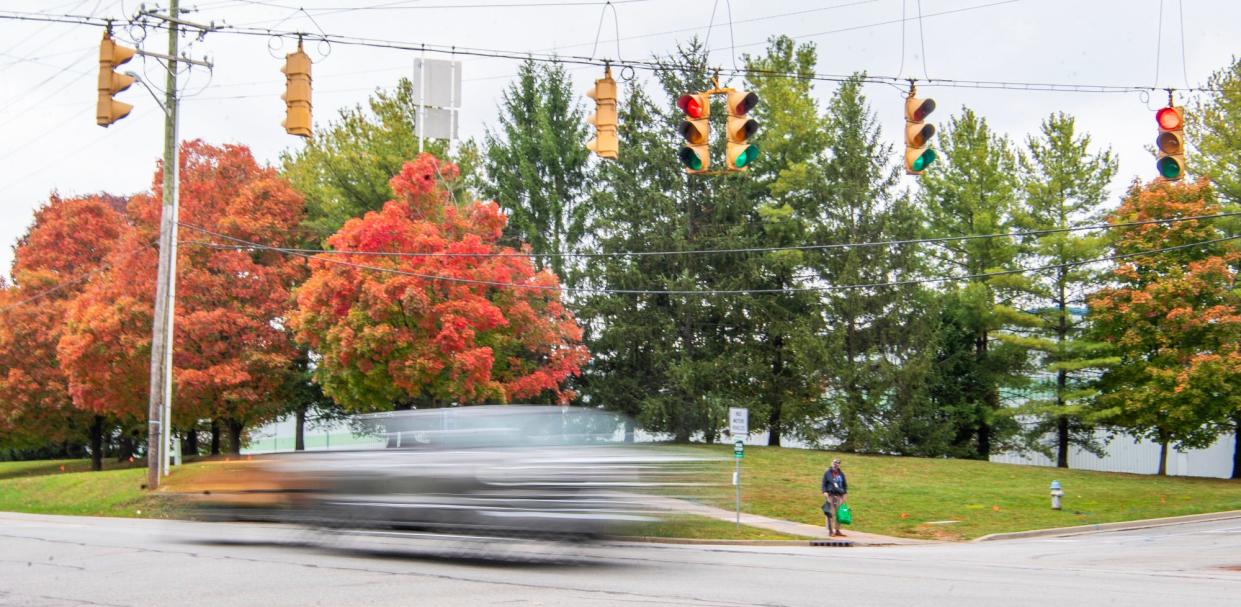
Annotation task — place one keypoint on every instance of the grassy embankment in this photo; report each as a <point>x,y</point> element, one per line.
<point>68,487</point>
<point>914,497</point>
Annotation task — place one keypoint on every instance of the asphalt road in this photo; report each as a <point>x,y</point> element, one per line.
<point>48,561</point>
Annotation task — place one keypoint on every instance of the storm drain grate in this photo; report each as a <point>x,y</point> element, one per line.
<point>834,543</point>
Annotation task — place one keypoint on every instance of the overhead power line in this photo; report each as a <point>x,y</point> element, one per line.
<point>242,244</point>
<point>309,254</point>
<point>670,253</point>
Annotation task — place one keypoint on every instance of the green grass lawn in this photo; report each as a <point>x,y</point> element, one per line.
<point>51,466</point>
<point>68,487</point>
<point>41,487</point>
<point>902,496</point>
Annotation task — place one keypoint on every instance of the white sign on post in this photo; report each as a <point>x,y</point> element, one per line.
<point>739,422</point>
<point>739,427</point>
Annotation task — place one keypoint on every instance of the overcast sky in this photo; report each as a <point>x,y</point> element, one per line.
<point>49,141</point>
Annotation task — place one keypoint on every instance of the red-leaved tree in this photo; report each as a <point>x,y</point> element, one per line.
<point>232,353</point>
<point>453,317</point>
<point>64,248</point>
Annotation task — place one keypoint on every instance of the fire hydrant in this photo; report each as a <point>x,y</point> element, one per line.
<point>1056,494</point>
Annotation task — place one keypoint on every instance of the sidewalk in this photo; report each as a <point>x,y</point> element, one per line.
<point>857,538</point>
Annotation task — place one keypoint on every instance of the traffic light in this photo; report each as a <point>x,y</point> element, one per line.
<point>1170,145</point>
<point>740,152</point>
<point>112,55</point>
<point>918,154</point>
<point>297,93</point>
<point>605,144</point>
<point>695,154</point>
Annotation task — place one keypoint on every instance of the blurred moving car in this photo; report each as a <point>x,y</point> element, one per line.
<point>541,472</point>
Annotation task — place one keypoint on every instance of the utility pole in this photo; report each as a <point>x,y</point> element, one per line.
<point>159,410</point>
<point>157,427</point>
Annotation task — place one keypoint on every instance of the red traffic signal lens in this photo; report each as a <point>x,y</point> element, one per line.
<point>924,109</point>
<point>690,105</point>
<point>1169,119</point>
<point>745,104</point>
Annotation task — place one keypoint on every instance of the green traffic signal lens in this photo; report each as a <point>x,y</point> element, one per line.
<point>746,157</point>
<point>690,159</point>
<point>1168,167</point>
<point>925,160</point>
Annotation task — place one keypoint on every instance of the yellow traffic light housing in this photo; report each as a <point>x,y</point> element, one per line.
<point>297,93</point>
<point>605,144</point>
<point>918,134</point>
<point>1170,144</point>
<point>739,151</point>
<point>695,153</point>
<point>112,55</point>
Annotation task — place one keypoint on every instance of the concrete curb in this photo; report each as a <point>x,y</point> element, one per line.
<point>1106,527</point>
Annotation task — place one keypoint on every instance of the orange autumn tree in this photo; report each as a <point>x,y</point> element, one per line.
<point>453,317</point>
<point>231,355</point>
<point>64,247</point>
<point>1174,320</point>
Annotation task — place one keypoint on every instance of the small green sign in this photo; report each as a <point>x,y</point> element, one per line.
<point>739,449</point>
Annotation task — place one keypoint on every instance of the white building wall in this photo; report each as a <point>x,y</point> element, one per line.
<point>1126,454</point>
<point>1123,453</point>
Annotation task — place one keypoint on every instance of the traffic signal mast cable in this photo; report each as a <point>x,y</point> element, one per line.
<point>810,247</point>
<point>325,257</point>
<point>653,66</point>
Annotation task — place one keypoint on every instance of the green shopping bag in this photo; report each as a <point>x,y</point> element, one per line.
<point>844,514</point>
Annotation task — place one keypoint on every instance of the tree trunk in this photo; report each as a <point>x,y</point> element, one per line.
<point>990,401</point>
<point>215,437</point>
<point>299,434</point>
<point>1236,449</point>
<point>234,436</point>
<point>775,425</point>
<point>96,444</point>
<point>125,448</point>
<point>191,442</point>
<point>629,430</point>
<point>1163,458</point>
<point>1062,441</point>
<point>1062,378</point>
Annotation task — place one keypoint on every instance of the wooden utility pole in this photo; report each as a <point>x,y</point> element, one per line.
<point>159,408</point>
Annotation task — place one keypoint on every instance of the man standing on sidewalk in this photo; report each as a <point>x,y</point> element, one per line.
<point>835,488</point>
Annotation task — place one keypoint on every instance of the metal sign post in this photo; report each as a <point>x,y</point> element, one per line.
<point>739,428</point>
